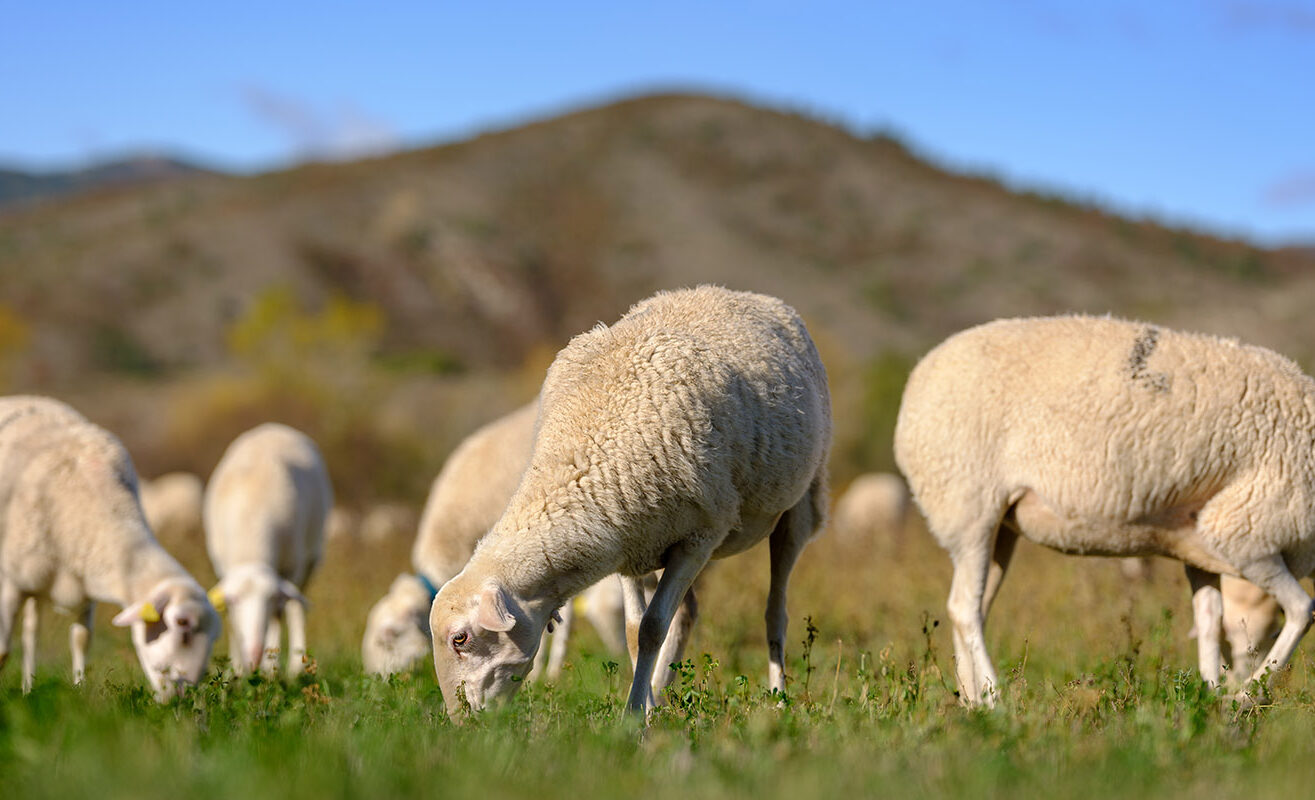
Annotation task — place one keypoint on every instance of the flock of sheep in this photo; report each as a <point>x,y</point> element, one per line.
<point>691,429</point>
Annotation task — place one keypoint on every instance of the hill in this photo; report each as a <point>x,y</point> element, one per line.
<point>19,186</point>
<point>447,276</point>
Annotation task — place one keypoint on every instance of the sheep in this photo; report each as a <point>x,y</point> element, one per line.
<point>692,428</point>
<point>172,505</point>
<point>385,522</point>
<point>72,532</point>
<point>265,509</point>
<point>876,503</point>
<point>465,500</point>
<point>1108,437</point>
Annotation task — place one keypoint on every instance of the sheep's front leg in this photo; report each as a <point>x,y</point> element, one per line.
<point>30,624</point>
<point>682,567</point>
<point>79,639</point>
<point>296,615</point>
<point>673,648</point>
<point>269,658</point>
<point>10,601</point>
<point>1208,614</point>
<point>1272,575</point>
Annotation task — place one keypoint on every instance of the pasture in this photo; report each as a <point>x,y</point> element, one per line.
<point>1101,698</point>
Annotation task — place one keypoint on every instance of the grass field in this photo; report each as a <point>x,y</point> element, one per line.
<point>1101,699</point>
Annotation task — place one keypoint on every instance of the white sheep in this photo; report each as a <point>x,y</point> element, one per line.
<point>172,505</point>
<point>1106,437</point>
<point>265,509</point>
<point>875,505</point>
<point>72,532</point>
<point>467,497</point>
<point>692,428</point>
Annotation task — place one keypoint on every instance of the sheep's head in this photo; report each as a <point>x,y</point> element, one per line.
<point>173,628</point>
<point>397,629</point>
<point>252,593</point>
<point>484,643</point>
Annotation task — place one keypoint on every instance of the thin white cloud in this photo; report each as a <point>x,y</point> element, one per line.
<point>1296,189</point>
<point>343,133</point>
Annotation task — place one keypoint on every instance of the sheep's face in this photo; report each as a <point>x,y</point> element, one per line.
<point>252,593</point>
<point>397,629</point>
<point>173,631</point>
<point>483,644</point>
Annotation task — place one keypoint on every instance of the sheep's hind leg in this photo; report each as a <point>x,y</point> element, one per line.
<point>682,567</point>
<point>1208,614</point>
<point>968,598</point>
<point>79,639</point>
<point>787,541</point>
<point>1001,555</point>
<point>1272,575</point>
<point>31,621</point>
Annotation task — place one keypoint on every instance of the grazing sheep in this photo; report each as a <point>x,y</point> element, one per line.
<point>172,505</point>
<point>72,532</point>
<point>875,505</point>
<point>342,525</point>
<point>692,428</point>
<point>465,500</point>
<point>385,522</point>
<point>265,509</point>
<point>1106,437</point>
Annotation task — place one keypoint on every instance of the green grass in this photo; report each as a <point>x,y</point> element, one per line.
<point>1100,699</point>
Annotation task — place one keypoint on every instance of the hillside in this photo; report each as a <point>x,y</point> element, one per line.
<point>468,264</point>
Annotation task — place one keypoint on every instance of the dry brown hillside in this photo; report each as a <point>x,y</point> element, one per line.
<point>388,305</point>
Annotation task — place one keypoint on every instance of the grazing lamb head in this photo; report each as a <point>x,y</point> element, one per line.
<point>252,593</point>
<point>173,629</point>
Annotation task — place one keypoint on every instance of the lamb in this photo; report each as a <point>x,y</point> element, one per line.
<point>265,509</point>
<point>1108,437</point>
<point>876,503</point>
<point>72,532</point>
<point>172,505</point>
<point>692,428</point>
<point>465,500</point>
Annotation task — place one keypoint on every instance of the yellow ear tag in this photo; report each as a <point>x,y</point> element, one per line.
<point>216,598</point>
<point>149,614</point>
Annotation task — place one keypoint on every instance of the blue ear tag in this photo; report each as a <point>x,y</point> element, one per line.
<point>428,584</point>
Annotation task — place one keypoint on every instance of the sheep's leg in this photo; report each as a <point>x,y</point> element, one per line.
<point>1249,622</point>
<point>1001,554</point>
<point>31,621</point>
<point>1208,614</point>
<point>295,612</point>
<point>673,647</point>
<point>561,636</point>
<point>607,614</point>
<point>10,601</point>
<point>976,676</point>
<point>1272,575</point>
<point>269,656</point>
<point>632,599</point>
<point>79,639</point>
<point>682,568</point>
<point>787,541</point>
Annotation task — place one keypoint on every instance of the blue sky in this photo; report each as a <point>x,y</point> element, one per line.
<point>1192,112</point>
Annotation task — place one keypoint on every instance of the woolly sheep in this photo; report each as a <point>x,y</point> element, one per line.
<point>1107,437</point>
<point>72,532</point>
<point>172,505</point>
<point>265,509</point>
<point>875,504</point>
<point>464,501</point>
<point>692,428</point>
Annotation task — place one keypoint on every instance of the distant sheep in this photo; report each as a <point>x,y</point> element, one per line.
<point>467,497</point>
<point>172,505</point>
<point>1105,437</point>
<point>692,428</point>
<point>1250,623</point>
<point>265,510</point>
<point>875,506</point>
<point>72,532</point>
<point>385,522</point>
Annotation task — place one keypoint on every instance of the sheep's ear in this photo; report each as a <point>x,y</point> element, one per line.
<point>289,591</point>
<point>136,612</point>
<point>491,614</point>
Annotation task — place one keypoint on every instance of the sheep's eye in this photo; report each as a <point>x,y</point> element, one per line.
<point>459,639</point>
